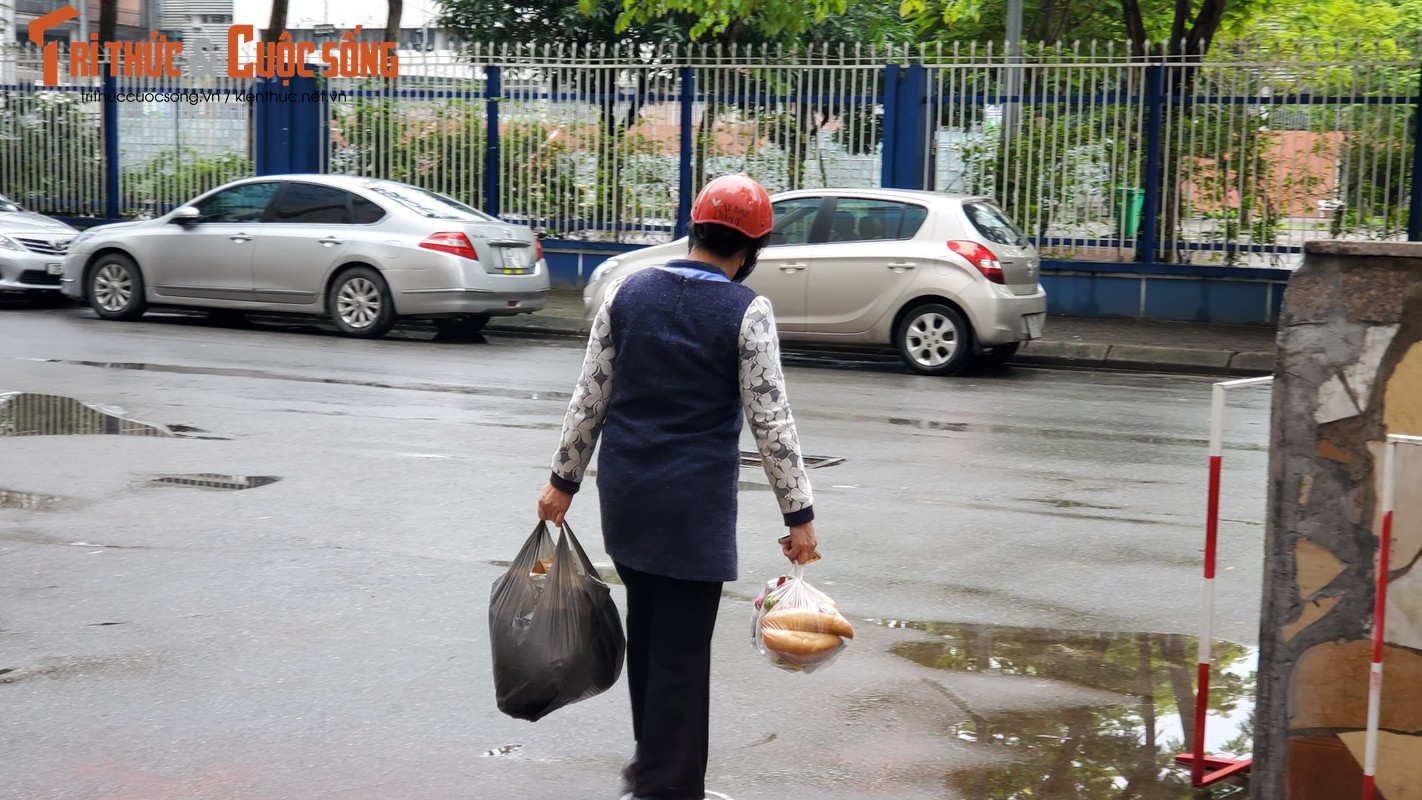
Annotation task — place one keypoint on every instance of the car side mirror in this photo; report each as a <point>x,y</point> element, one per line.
<point>184,215</point>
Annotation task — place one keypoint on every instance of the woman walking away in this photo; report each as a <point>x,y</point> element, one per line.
<point>677,356</point>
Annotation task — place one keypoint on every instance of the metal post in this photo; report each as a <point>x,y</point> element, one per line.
<point>1013,85</point>
<point>1381,566</point>
<point>111,145</point>
<point>906,124</point>
<point>1414,195</point>
<point>1219,768</point>
<point>1147,245</point>
<point>493,89</point>
<point>1375,669</point>
<point>688,146</point>
<point>888,154</point>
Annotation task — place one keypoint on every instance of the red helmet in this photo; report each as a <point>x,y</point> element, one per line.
<point>737,202</point>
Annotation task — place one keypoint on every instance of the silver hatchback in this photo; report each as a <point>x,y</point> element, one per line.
<point>363,251</point>
<point>947,280</point>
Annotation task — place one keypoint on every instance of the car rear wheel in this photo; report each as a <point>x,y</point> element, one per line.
<point>360,304</point>
<point>115,288</point>
<point>934,339</point>
<point>994,356</point>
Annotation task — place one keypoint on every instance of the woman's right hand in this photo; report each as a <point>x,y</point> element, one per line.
<point>802,543</point>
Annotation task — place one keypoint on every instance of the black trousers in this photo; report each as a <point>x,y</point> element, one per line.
<point>669,626</point>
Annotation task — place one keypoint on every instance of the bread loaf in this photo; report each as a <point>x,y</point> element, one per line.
<point>807,620</point>
<point>800,643</point>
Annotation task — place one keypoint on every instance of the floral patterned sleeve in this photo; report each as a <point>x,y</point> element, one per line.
<point>586,411</point>
<point>767,409</point>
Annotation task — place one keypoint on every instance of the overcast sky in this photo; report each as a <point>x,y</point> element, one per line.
<point>342,13</point>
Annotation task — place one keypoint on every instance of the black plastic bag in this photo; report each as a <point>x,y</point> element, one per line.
<point>556,637</point>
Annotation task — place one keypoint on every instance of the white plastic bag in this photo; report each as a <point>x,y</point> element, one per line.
<point>796,626</point>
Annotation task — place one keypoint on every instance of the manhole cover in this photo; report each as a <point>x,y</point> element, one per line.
<point>26,414</point>
<point>28,501</point>
<point>207,480</point>
<point>749,459</point>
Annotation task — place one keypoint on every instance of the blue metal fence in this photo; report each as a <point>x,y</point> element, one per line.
<point>1102,155</point>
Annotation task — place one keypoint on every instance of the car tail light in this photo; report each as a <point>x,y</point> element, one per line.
<point>538,243</point>
<point>451,242</point>
<point>981,257</point>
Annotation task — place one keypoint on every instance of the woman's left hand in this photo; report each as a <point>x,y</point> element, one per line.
<point>553,504</point>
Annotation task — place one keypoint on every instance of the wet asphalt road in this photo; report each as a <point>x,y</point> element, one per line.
<point>1005,543</point>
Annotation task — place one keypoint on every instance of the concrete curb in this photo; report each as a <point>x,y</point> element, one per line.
<point>1130,357</point>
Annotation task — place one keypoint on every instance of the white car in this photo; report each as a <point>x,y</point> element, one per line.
<point>945,279</point>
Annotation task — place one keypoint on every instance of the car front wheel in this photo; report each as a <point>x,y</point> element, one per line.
<point>934,339</point>
<point>360,304</point>
<point>115,288</point>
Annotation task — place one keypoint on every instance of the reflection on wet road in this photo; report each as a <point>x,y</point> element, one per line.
<point>1121,751</point>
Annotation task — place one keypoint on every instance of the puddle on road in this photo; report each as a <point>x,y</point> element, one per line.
<point>28,501</point>
<point>1052,433</point>
<point>1061,502</point>
<point>1124,750</point>
<point>208,480</point>
<point>257,374</point>
<point>26,414</point>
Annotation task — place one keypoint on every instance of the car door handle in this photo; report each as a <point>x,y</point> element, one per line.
<point>240,238</point>
<point>792,267</point>
<point>900,265</point>
<point>330,240</point>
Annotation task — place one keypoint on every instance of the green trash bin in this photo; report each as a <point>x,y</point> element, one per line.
<point>1129,203</point>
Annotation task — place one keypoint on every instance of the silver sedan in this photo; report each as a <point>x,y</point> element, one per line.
<point>945,279</point>
<point>362,251</point>
<point>31,250</point>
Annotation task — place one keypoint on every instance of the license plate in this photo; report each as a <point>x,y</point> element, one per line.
<point>1034,325</point>
<point>54,269</point>
<point>510,258</point>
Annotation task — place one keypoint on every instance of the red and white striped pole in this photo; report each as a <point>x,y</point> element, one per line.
<point>1197,759</point>
<point>1375,673</point>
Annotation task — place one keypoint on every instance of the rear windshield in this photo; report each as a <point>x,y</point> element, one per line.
<point>6,204</point>
<point>428,204</point>
<point>993,224</point>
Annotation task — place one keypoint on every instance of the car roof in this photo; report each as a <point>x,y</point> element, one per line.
<point>316,177</point>
<point>880,194</point>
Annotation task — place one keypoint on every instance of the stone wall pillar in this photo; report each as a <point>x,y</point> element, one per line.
<point>1349,374</point>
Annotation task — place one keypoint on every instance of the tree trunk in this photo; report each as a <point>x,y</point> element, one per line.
<point>1190,40</point>
<point>108,20</point>
<point>392,20</point>
<point>1172,650</point>
<point>277,25</point>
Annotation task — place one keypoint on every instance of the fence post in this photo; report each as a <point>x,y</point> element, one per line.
<point>688,145</point>
<point>1414,197</point>
<point>1147,244</point>
<point>493,89</point>
<point>289,128</point>
<point>111,146</point>
<point>905,127</point>
<point>888,153</point>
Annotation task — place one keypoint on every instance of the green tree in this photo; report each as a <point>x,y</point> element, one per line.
<point>767,19</point>
<point>39,130</point>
